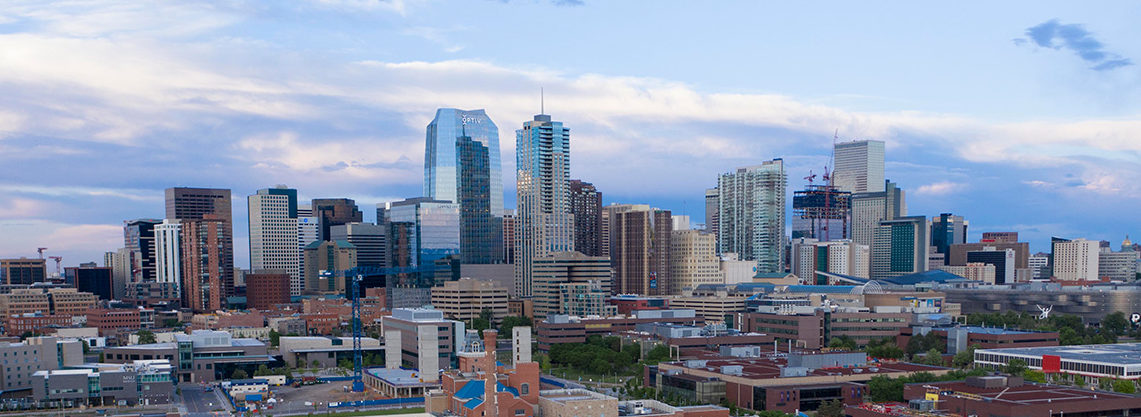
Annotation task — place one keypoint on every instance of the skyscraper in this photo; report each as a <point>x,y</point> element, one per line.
<point>308,231</point>
<point>139,236</point>
<point>273,231</point>
<point>947,230</point>
<point>859,166</point>
<point>586,206</point>
<point>558,274</point>
<point>693,260</point>
<point>869,209</point>
<point>751,214</point>
<point>711,207</point>
<point>821,212</point>
<point>640,250</point>
<point>900,247</point>
<point>168,257</point>
<point>369,240</point>
<point>335,211</point>
<point>195,204</point>
<point>204,266</point>
<point>545,224</point>
<point>421,231</point>
<point>1074,260</point>
<point>462,165</point>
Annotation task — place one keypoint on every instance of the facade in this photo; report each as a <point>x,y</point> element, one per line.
<point>422,231</point>
<point>266,289</point>
<point>1001,396</point>
<point>1115,361</point>
<point>370,240</point>
<point>51,302</point>
<point>556,271</point>
<point>712,204</point>
<point>326,351</point>
<point>900,247</point>
<point>999,237</point>
<point>204,263</point>
<point>947,230</point>
<point>859,166</point>
<point>462,166</point>
<point>335,211</point>
<point>975,271</point>
<point>509,241</point>
<point>869,209</point>
<point>308,231</point>
<point>422,339</point>
<point>113,321</point>
<point>545,224</point>
<point>815,329</point>
<point>188,204</point>
<point>138,237</point>
<point>640,246</point>
<point>120,263</point>
<point>712,309</point>
<point>1039,265</point>
<point>1075,260</point>
<point>693,260</point>
<point>961,338</point>
<point>201,356</point>
<point>168,258</point>
<point>1002,260</point>
<point>466,298</point>
<point>1091,303</point>
<point>586,206</point>
<point>1117,266</point>
<point>22,271</point>
<point>332,257</point>
<point>92,279</point>
<point>33,355</point>
<point>273,230</point>
<point>837,257</point>
<point>481,386</point>
<point>751,214</point>
<point>585,299</point>
<point>558,329</point>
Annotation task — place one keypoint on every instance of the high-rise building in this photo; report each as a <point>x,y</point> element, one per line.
<point>324,262</point>
<point>1074,260</point>
<point>204,268</point>
<point>947,230</point>
<point>999,237</point>
<point>900,247</point>
<point>92,279</point>
<point>1039,265</point>
<point>1002,259</point>
<point>335,211</point>
<point>462,165</point>
<point>712,200</point>
<point>466,299</point>
<point>869,209</point>
<point>859,166</point>
<point>586,206</point>
<point>640,249</point>
<point>545,224</point>
<point>421,231</point>
<point>308,231</point>
<point>168,257</point>
<point>273,230</point>
<point>821,212</point>
<point>194,204</point>
<point>1118,266</point>
<point>751,214</point>
<point>509,241</point>
<point>370,240</point>
<point>22,271</point>
<point>838,257</point>
<point>266,289</point>
<point>694,260</point>
<point>139,236</point>
<point>554,274</point>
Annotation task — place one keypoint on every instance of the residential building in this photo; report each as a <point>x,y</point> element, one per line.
<point>325,262</point>
<point>205,267</point>
<point>837,257</point>
<point>462,166</point>
<point>1075,260</point>
<point>947,230</point>
<point>900,247</point>
<point>188,204</point>
<point>138,237</point>
<point>751,214</point>
<point>466,298</point>
<point>545,224</point>
<point>92,279</point>
<point>335,211</point>
<point>693,259</point>
<point>869,209</point>
<point>201,356</point>
<point>370,240</point>
<point>859,166</point>
<point>22,271</point>
<point>640,245</point>
<point>273,230</point>
<point>586,206</point>
<point>556,270</point>
<point>168,258</point>
<point>422,231</point>
<point>267,289</point>
<point>422,339</point>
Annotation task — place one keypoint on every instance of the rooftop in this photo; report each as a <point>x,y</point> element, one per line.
<point>400,377</point>
<point>1116,354</point>
<point>570,395</point>
<point>768,366</point>
<point>1028,394</point>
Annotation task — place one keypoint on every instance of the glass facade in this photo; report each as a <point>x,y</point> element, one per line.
<point>462,166</point>
<point>545,224</point>
<point>435,230</point>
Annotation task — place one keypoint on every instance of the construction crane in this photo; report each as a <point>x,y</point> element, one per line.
<point>811,177</point>
<point>41,251</point>
<point>58,260</point>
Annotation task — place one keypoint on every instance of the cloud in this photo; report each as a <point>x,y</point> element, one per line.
<point>940,188</point>
<point>1075,37</point>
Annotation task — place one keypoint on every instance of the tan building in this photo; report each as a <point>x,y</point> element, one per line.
<point>640,249</point>
<point>520,307</point>
<point>55,301</point>
<point>576,402</point>
<point>566,268</point>
<point>714,309</point>
<point>693,259</point>
<point>466,298</point>
<point>976,271</point>
<point>330,256</point>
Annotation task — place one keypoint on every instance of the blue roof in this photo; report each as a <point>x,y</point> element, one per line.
<point>499,387</point>
<point>764,275</point>
<point>934,275</point>
<point>472,389</point>
<point>827,289</point>
<point>475,402</point>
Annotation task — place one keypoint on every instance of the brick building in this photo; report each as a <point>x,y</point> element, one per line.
<point>264,290</point>
<point>110,321</point>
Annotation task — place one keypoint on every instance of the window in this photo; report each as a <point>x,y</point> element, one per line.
<point>525,388</point>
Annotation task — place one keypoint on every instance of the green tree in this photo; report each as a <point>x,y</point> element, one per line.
<point>262,370</point>
<point>1079,381</point>
<point>345,363</point>
<point>934,357</point>
<point>146,337</point>
<point>842,342</point>
<point>1124,386</point>
<point>833,408</point>
<point>1115,324</point>
<point>882,388</point>
<point>274,338</point>
<point>885,351</point>
<point>171,323</point>
<point>1034,376</point>
<point>772,413</point>
<point>658,354</point>
<point>1015,367</point>
<point>510,322</point>
<point>316,363</point>
<point>964,359</point>
<point>239,374</point>
<point>86,347</point>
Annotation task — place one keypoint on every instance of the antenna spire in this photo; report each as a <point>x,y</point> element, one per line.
<point>542,104</point>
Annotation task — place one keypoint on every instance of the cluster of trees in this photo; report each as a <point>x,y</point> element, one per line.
<point>367,359</point>
<point>600,355</point>
<point>1071,330</point>
<point>882,388</point>
<point>884,349</point>
<point>484,321</point>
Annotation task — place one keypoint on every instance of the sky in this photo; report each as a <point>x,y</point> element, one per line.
<point>1020,116</point>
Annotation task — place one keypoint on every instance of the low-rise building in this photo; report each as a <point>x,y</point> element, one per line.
<point>960,338</point>
<point>519,307</point>
<point>35,324</point>
<point>713,309</point>
<point>569,329</point>
<point>808,327</point>
<point>110,321</point>
<point>422,339</point>
<point>628,303</point>
<point>1116,361</point>
<point>201,356</point>
<point>465,299</point>
<point>23,359</point>
<point>576,402</point>
<point>143,382</point>
<point>324,351</point>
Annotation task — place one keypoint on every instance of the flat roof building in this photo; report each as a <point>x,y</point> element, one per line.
<point>1120,361</point>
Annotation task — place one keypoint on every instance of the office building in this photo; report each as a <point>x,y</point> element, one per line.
<point>734,270</point>
<point>1075,260</point>
<point>869,209</point>
<point>22,271</point>
<point>188,204</point>
<point>974,271</point>
<point>821,212</point>
<point>168,257</point>
<point>335,211</point>
<point>859,166</point>
<point>900,247</point>
<point>205,267</point>
<point>1118,266</point>
<point>138,237</point>
<point>92,279</point>
<point>370,240</point>
<point>139,383</point>
<point>308,231</point>
<point>640,249</point>
<point>509,241</point>
<point>273,230</point>
<point>586,206</point>
<point>837,257</point>
<point>694,260</point>
<point>554,272</point>
<point>1003,261</point>
<point>421,339</point>
<point>465,299</point>
<point>999,237</point>
<point>33,355</point>
<point>947,230</point>
<point>712,207</point>
<point>462,166</point>
<point>114,321</point>
<point>422,231</point>
<point>47,301</point>
<point>120,263</point>
<point>751,214</point>
<point>266,289</point>
<point>545,224</point>
<point>1039,265</point>
<point>957,254</point>
<point>325,263</point>
<point>201,356</point>
<point>814,328</point>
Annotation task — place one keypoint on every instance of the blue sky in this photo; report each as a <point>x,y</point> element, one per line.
<point>1019,116</point>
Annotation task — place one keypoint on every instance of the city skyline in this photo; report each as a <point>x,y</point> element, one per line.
<point>1023,162</point>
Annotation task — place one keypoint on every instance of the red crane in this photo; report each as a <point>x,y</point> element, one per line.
<point>812,177</point>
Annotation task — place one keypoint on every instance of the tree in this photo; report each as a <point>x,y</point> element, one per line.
<point>171,323</point>
<point>1015,367</point>
<point>842,342</point>
<point>510,322</point>
<point>1116,324</point>
<point>964,359</point>
<point>345,363</point>
<point>934,357</point>
<point>833,408</point>
<point>274,338</point>
<point>1124,386</point>
<point>885,351</point>
<point>239,374</point>
<point>146,337</point>
<point>1034,376</point>
<point>657,354</point>
<point>316,363</point>
<point>86,347</point>
<point>882,388</point>
<point>262,370</point>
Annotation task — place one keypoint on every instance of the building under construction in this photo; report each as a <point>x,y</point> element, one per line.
<point>821,212</point>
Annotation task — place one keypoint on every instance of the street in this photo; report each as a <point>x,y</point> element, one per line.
<point>200,403</point>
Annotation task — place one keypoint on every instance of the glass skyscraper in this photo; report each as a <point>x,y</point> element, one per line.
<point>751,214</point>
<point>462,165</point>
<point>545,224</point>
<point>428,230</point>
